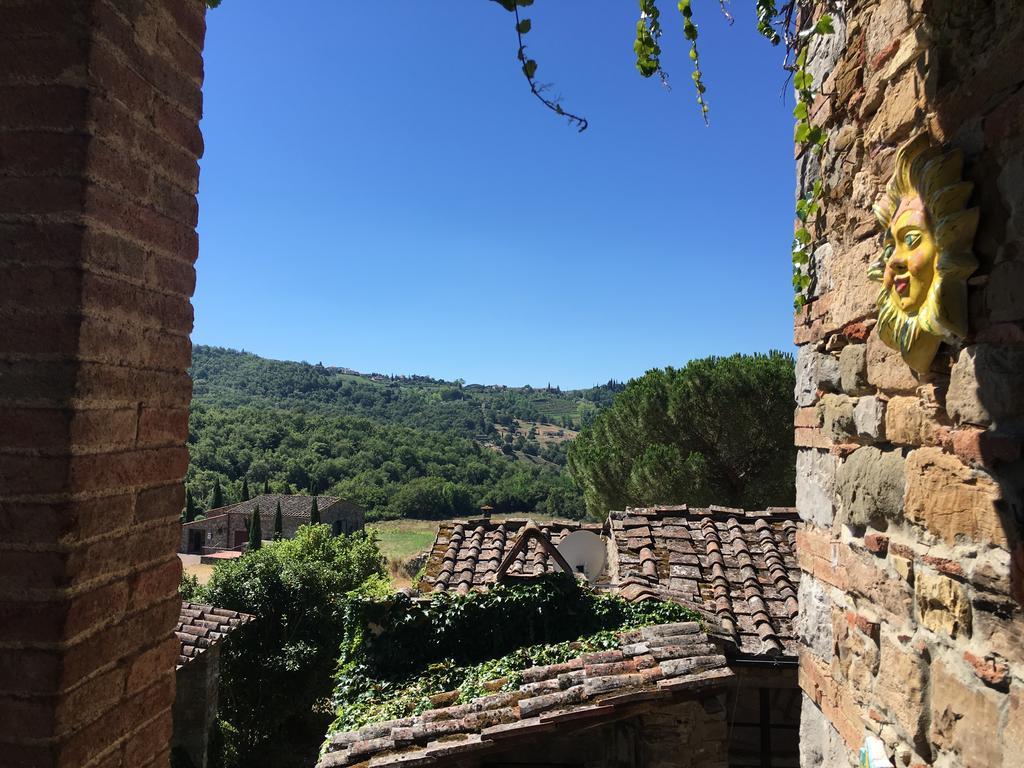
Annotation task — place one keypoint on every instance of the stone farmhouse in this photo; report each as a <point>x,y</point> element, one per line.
<point>667,695</point>
<point>227,528</point>
<point>910,631</point>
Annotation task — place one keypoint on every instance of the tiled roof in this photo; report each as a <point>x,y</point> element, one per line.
<point>737,568</point>
<point>466,554</point>
<point>203,626</point>
<point>649,667</point>
<point>291,505</point>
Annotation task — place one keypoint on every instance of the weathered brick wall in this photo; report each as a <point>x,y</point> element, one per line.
<point>910,485</point>
<point>99,108</point>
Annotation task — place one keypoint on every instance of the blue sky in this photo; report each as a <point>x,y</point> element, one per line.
<point>381,191</point>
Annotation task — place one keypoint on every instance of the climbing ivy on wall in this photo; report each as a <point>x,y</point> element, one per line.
<point>787,24</point>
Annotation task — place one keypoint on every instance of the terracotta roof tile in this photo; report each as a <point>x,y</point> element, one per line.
<point>552,697</point>
<point>203,626</point>
<point>737,568</point>
<point>466,554</point>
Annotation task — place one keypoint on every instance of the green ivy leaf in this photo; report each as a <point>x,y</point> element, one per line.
<point>800,111</point>
<point>801,133</point>
<point>824,25</point>
<point>523,26</point>
<point>802,236</point>
<point>530,68</point>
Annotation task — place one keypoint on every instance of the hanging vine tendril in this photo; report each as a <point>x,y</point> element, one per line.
<point>646,47</point>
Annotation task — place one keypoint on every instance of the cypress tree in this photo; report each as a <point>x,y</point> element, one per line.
<point>255,529</point>
<point>190,507</point>
<point>217,497</point>
<point>314,513</point>
<point>245,489</point>
<point>278,522</point>
<point>266,486</point>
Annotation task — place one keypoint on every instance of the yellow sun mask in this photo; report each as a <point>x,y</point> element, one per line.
<point>926,252</point>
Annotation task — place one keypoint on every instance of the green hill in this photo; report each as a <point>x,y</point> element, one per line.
<point>401,446</point>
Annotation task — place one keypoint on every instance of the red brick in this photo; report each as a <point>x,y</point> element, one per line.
<point>41,195</point>
<point>46,153</point>
<point>28,718</point>
<point>115,383</point>
<point>119,80</point>
<point>163,426</point>
<point>945,565</point>
<point>160,581</point>
<point>32,286</point>
<point>806,417</point>
<point>102,252</point>
<point>23,475</point>
<point>165,503</point>
<point>97,606</point>
<point>55,107</point>
<point>89,700</point>
<point>40,19</point>
<point>29,671</point>
<point>150,741</point>
<point>190,21</point>
<point>108,341</point>
<point>47,60</point>
<point>876,544</point>
<point>128,469</point>
<point>35,522</point>
<point>171,275</point>
<point>992,669</point>
<point>178,128</point>
<point>149,667</point>
<point>37,244</point>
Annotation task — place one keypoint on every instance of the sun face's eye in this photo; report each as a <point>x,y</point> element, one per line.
<point>887,252</point>
<point>912,239</point>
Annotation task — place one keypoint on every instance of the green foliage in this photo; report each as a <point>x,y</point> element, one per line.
<point>808,138</point>
<point>189,588</point>
<point>463,641</point>
<point>290,424</point>
<point>190,507</point>
<point>256,529</point>
<point>276,668</point>
<point>245,489</point>
<point>717,431</point>
<point>278,522</point>
<point>216,496</point>
<point>314,512</point>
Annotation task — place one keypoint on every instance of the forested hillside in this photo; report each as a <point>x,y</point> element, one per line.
<point>400,446</point>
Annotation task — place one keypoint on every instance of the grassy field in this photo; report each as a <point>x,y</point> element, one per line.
<point>402,539</point>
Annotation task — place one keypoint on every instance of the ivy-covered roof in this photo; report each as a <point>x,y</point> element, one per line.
<point>647,667</point>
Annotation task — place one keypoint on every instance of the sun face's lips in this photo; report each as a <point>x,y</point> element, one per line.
<point>902,285</point>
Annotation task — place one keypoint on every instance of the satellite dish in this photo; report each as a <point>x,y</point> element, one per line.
<point>585,553</point>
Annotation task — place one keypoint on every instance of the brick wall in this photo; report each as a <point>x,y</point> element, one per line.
<point>99,140</point>
<point>910,485</point>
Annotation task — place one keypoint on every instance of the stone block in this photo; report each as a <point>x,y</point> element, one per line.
<point>965,716</point>
<point>887,22</point>
<point>820,742</point>
<point>815,486</point>
<point>950,500</point>
<point>902,688</point>
<point>910,421</point>
<point>868,578</point>
<point>886,369</point>
<point>942,605</point>
<point>814,624</point>
<point>870,487</point>
<point>836,414</point>
<point>853,369</point>
<point>987,386</point>
<point>1005,292</point>
<point>869,418</point>
<point>853,294</point>
<point>814,371</point>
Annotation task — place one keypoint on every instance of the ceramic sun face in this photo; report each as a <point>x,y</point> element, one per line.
<point>926,252</point>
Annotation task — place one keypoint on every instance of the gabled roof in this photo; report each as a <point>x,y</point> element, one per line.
<point>647,668</point>
<point>202,626</point>
<point>737,568</point>
<point>292,505</point>
<point>466,554</point>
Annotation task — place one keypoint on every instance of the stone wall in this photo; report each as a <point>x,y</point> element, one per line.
<point>195,705</point>
<point>99,140</point>
<point>909,485</point>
